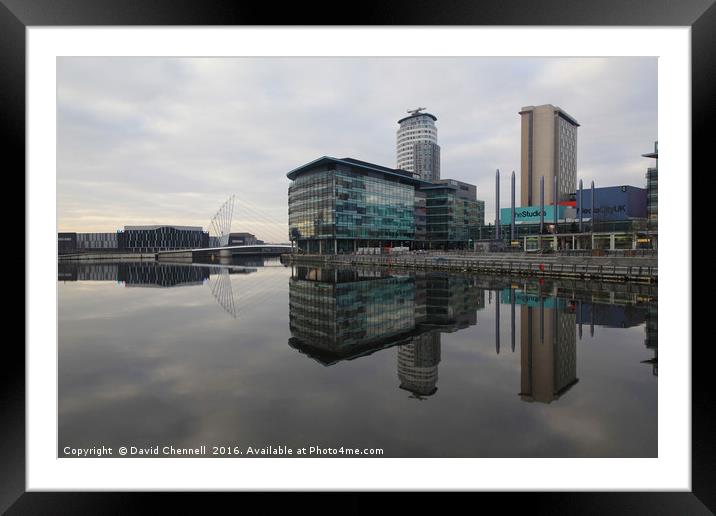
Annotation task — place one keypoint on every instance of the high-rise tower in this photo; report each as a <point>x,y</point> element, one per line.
<point>417,146</point>
<point>549,149</point>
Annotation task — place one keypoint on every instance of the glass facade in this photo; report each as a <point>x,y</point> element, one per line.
<point>371,208</point>
<point>421,218</point>
<point>331,209</point>
<point>311,205</point>
<point>339,206</point>
<point>452,220</point>
<point>162,238</point>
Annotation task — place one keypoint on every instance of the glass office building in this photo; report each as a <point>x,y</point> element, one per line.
<point>454,215</point>
<point>340,205</point>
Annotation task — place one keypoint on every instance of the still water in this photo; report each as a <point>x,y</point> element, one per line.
<point>257,354</point>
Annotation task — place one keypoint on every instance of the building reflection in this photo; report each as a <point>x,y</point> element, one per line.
<point>135,274</point>
<point>652,337</point>
<point>548,350</point>
<point>418,365</point>
<point>623,313</point>
<point>158,275</point>
<point>338,315</point>
<point>550,327</point>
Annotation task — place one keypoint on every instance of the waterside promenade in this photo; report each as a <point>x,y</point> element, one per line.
<point>606,268</point>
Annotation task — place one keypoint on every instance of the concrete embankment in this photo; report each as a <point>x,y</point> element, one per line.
<point>114,257</point>
<point>605,268</point>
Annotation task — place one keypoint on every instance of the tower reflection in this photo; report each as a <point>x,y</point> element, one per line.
<point>548,349</point>
<point>338,314</point>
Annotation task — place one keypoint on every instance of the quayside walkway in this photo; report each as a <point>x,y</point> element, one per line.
<point>605,268</point>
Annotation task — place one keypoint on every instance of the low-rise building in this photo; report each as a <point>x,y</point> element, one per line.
<point>243,239</point>
<point>142,239</point>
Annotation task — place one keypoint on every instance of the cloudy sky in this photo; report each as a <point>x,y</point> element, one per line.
<point>167,140</point>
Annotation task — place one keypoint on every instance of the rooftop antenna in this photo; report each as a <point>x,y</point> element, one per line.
<point>416,111</point>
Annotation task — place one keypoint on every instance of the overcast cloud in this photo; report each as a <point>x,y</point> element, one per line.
<point>167,140</point>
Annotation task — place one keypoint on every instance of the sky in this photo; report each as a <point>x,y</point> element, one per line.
<point>168,140</point>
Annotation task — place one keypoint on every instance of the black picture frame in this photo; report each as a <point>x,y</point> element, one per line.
<point>17,15</point>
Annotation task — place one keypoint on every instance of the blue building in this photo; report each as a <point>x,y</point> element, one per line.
<point>613,203</point>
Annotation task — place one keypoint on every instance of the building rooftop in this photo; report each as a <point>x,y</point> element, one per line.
<point>157,226</point>
<point>326,160</point>
<point>558,109</point>
<point>407,173</point>
<point>416,115</point>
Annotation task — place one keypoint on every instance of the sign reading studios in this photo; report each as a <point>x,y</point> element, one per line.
<point>530,214</point>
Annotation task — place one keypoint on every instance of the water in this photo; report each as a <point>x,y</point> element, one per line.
<point>262,355</point>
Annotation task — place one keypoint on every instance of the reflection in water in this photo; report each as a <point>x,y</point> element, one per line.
<point>157,274</point>
<point>652,336</point>
<point>418,365</point>
<point>548,350</point>
<point>338,314</point>
<point>130,369</point>
<point>220,285</point>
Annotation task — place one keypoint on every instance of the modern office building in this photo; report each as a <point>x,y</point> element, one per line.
<point>453,214</point>
<point>612,203</point>
<point>338,205</point>
<point>136,239</point>
<point>417,148</point>
<point>68,243</point>
<point>421,219</point>
<point>549,150</point>
<point>652,188</point>
<point>142,239</point>
<point>341,205</point>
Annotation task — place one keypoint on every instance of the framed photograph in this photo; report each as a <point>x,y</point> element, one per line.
<point>419,252</point>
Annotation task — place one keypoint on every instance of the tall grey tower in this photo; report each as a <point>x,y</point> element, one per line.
<point>417,146</point>
<point>549,149</point>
